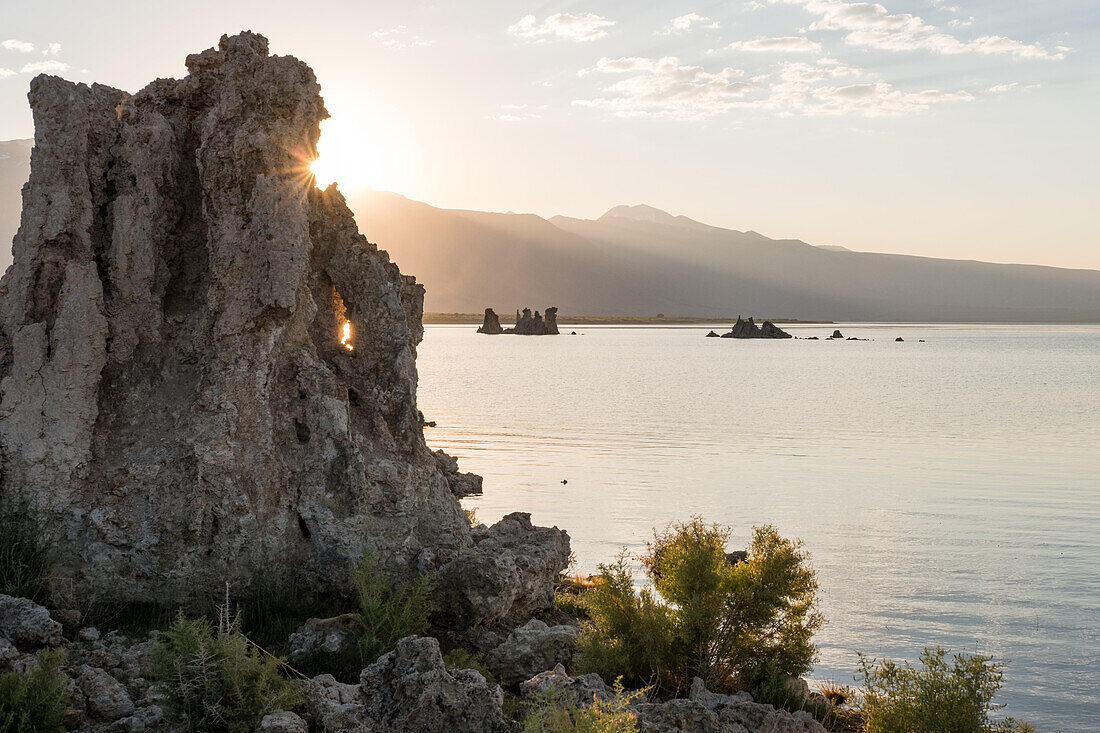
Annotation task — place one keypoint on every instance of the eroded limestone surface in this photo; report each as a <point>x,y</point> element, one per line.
<point>207,374</point>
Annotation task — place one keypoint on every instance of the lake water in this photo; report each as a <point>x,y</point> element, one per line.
<point>948,491</point>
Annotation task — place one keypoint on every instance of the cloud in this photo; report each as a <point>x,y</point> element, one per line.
<point>1002,88</point>
<point>666,88</point>
<point>54,49</point>
<point>44,67</point>
<point>13,45</point>
<point>878,99</point>
<point>582,27</point>
<point>873,26</point>
<point>398,38</point>
<point>5,73</point>
<point>683,23</point>
<point>783,44</point>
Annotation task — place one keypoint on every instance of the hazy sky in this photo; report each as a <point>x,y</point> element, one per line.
<point>949,128</point>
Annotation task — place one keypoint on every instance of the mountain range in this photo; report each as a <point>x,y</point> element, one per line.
<point>640,261</point>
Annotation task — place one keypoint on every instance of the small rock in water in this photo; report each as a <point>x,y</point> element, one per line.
<point>712,335</point>
<point>899,338</point>
<point>564,481</point>
<point>837,334</point>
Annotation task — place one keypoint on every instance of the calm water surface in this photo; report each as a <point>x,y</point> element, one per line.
<point>949,491</point>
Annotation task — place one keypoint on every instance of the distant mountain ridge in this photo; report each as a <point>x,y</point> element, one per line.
<point>639,261</point>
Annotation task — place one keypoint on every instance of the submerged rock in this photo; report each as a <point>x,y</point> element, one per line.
<point>491,324</point>
<point>712,335</point>
<point>208,374</point>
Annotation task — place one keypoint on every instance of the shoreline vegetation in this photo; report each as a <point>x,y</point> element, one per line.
<point>475,319</point>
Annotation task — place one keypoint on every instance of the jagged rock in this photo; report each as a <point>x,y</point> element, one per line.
<point>535,325</point>
<point>530,648</point>
<point>89,633</point>
<point>899,338</point>
<point>837,334</point>
<point>323,636</point>
<point>712,335</point>
<point>207,373</point>
<point>506,579</point>
<point>27,625</point>
<point>460,484</point>
<point>107,697</point>
<point>749,330</point>
<point>709,712</point>
<point>771,331</point>
<point>581,689</point>
<point>491,324</point>
<point>8,654</point>
<point>283,722</point>
<point>69,618</point>
<point>332,705</point>
<point>408,689</point>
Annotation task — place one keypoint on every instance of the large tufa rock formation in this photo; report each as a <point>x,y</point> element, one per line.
<point>491,324</point>
<point>207,373</point>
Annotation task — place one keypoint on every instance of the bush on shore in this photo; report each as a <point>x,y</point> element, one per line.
<point>35,701</point>
<point>216,678</point>
<point>705,616</point>
<point>938,696</point>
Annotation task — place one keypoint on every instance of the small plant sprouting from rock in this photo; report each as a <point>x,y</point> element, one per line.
<point>459,658</point>
<point>35,701</point>
<point>552,712</point>
<point>705,616</point>
<point>938,696</point>
<point>215,678</point>
<point>387,611</point>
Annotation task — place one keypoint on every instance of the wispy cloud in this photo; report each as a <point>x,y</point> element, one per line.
<point>666,88</point>
<point>398,37</point>
<point>567,26</point>
<point>781,44</point>
<point>873,26</point>
<point>684,23</point>
<point>517,113</point>
<point>5,73</point>
<point>44,67</point>
<point>1002,88</point>
<point>54,49</point>
<point>13,45</point>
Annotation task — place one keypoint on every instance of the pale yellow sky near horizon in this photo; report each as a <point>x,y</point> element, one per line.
<point>962,131</point>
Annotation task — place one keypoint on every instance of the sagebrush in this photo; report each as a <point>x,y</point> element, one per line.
<point>215,678</point>
<point>939,695</point>
<point>35,702</point>
<point>26,553</point>
<point>704,615</point>
<point>554,712</point>
<point>387,611</point>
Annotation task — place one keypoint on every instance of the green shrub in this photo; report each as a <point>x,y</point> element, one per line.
<point>36,701</point>
<point>551,712</point>
<point>459,658</point>
<point>216,678</point>
<point>937,697</point>
<point>704,616</point>
<point>26,554</point>
<point>387,612</point>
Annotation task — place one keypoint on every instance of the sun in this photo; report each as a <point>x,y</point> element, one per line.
<point>355,153</point>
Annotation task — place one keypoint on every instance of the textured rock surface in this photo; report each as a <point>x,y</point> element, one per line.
<point>506,579</point>
<point>530,649</point>
<point>491,324</point>
<point>27,625</point>
<point>283,722</point>
<point>581,689</point>
<point>323,636</point>
<point>179,397</point>
<point>107,697</point>
<point>408,689</point>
